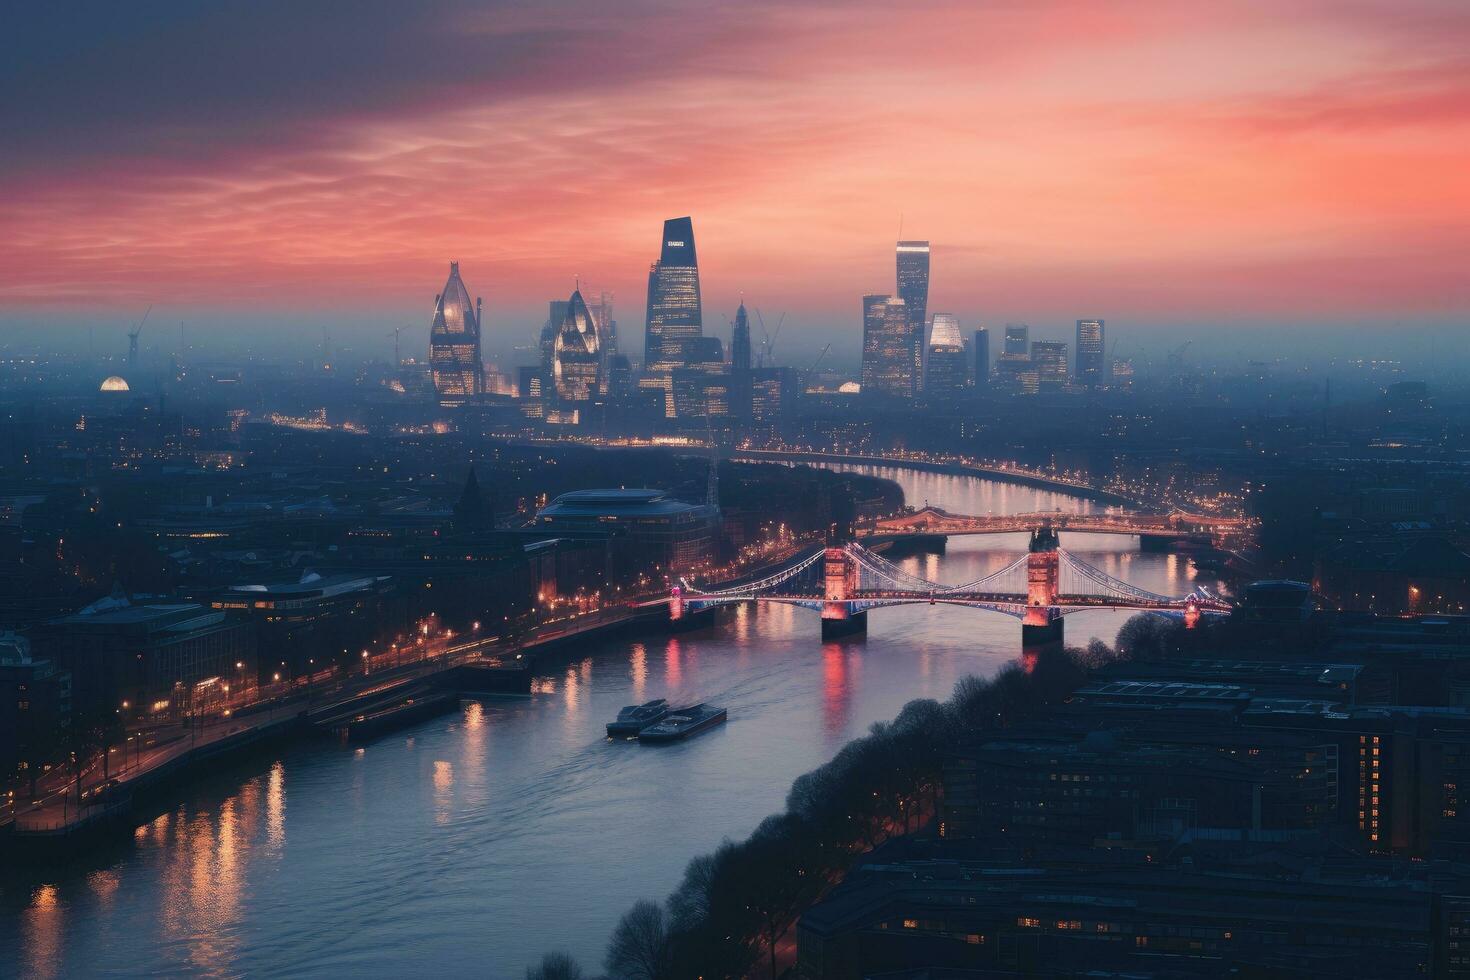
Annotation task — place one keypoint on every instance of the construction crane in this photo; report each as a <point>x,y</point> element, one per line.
<point>767,357</point>
<point>133,337</point>
<point>818,361</point>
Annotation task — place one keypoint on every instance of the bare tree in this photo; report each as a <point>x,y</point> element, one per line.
<point>639,948</point>
<point>555,966</point>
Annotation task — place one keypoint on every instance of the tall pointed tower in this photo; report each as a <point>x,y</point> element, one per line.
<point>454,343</point>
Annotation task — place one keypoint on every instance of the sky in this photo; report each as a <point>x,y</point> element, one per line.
<point>1242,170</point>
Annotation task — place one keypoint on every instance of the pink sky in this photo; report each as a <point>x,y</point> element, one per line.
<point>1136,160</point>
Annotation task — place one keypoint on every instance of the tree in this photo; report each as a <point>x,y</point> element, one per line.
<point>639,948</point>
<point>555,966</point>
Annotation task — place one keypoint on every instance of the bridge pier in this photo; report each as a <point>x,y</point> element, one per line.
<point>1035,635</point>
<point>855,624</point>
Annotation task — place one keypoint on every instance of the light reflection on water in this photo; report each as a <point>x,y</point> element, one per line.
<point>469,844</point>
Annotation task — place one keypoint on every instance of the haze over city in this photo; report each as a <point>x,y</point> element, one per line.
<point>783,491</point>
<point>1216,171</point>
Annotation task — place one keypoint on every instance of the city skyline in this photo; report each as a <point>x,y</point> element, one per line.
<point>225,213</point>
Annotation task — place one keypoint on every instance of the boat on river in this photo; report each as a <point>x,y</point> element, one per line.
<point>682,723</point>
<point>636,717</point>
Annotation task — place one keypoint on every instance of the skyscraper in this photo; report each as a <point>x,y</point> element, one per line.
<point>556,314</point>
<point>888,361</point>
<point>577,358</point>
<point>982,360</point>
<point>1092,368</point>
<point>674,311</point>
<point>1049,360</point>
<point>740,391</point>
<point>1015,354</point>
<point>913,289</point>
<point>944,367</point>
<point>454,343</point>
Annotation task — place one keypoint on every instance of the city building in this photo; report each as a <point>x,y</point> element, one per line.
<point>1092,365</point>
<point>577,354</point>
<point>149,659</point>
<point>454,343</point>
<point>1049,361</point>
<point>945,370</point>
<point>913,289</point>
<point>663,534</point>
<point>556,315</point>
<point>675,314</point>
<point>35,708</point>
<point>1015,354</point>
<point>740,365</point>
<point>981,353</point>
<point>888,362</point>
<point>305,625</point>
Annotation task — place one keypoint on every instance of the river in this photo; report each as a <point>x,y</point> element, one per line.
<point>470,844</point>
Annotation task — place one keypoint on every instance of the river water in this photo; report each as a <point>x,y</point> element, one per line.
<point>470,844</point>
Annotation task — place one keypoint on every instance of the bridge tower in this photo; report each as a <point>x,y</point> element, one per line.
<point>839,585</point>
<point>1042,623</point>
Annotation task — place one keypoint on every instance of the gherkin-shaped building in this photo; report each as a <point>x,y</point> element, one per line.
<point>577,357</point>
<point>454,343</point>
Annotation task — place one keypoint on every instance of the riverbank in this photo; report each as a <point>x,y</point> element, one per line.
<point>57,825</point>
<point>997,474</point>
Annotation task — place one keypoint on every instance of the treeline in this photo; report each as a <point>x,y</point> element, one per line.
<point>735,907</point>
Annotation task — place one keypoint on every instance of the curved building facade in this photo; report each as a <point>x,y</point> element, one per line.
<point>577,357</point>
<point>454,343</point>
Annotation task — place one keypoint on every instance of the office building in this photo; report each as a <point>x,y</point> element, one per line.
<point>576,357</point>
<point>945,369</point>
<point>888,361</point>
<point>1049,361</point>
<point>1015,354</point>
<point>454,343</point>
<point>555,316</point>
<point>1091,354</point>
<point>675,315</point>
<point>913,289</point>
<point>981,354</point>
<point>149,659</point>
<point>35,709</point>
<point>663,534</point>
<point>740,364</point>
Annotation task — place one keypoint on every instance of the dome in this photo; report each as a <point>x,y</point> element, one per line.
<point>114,383</point>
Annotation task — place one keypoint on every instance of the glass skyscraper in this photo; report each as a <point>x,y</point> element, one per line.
<point>740,364</point>
<point>888,361</point>
<point>913,289</point>
<point>577,358</point>
<point>454,343</point>
<point>1092,369</point>
<point>1049,360</point>
<point>674,312</point>
<point>945,369</point>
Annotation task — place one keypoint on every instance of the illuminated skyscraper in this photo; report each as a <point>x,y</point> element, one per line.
<point>577,358</point>
<point>913,289</point>
<point>454,343</point>
<point>944,367</point>
<point>674,311</point>
<point>1015,354</point>
<point>1049,361</point>
<point>888,361</point>
<point>1091,354</point>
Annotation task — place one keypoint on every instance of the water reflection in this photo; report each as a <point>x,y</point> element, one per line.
<point>401,846</point>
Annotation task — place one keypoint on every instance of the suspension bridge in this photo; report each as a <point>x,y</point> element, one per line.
<point>844,582</point>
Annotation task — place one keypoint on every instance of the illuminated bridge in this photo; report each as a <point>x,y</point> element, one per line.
<point>1039,588</point>
<point>1158,527</point>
